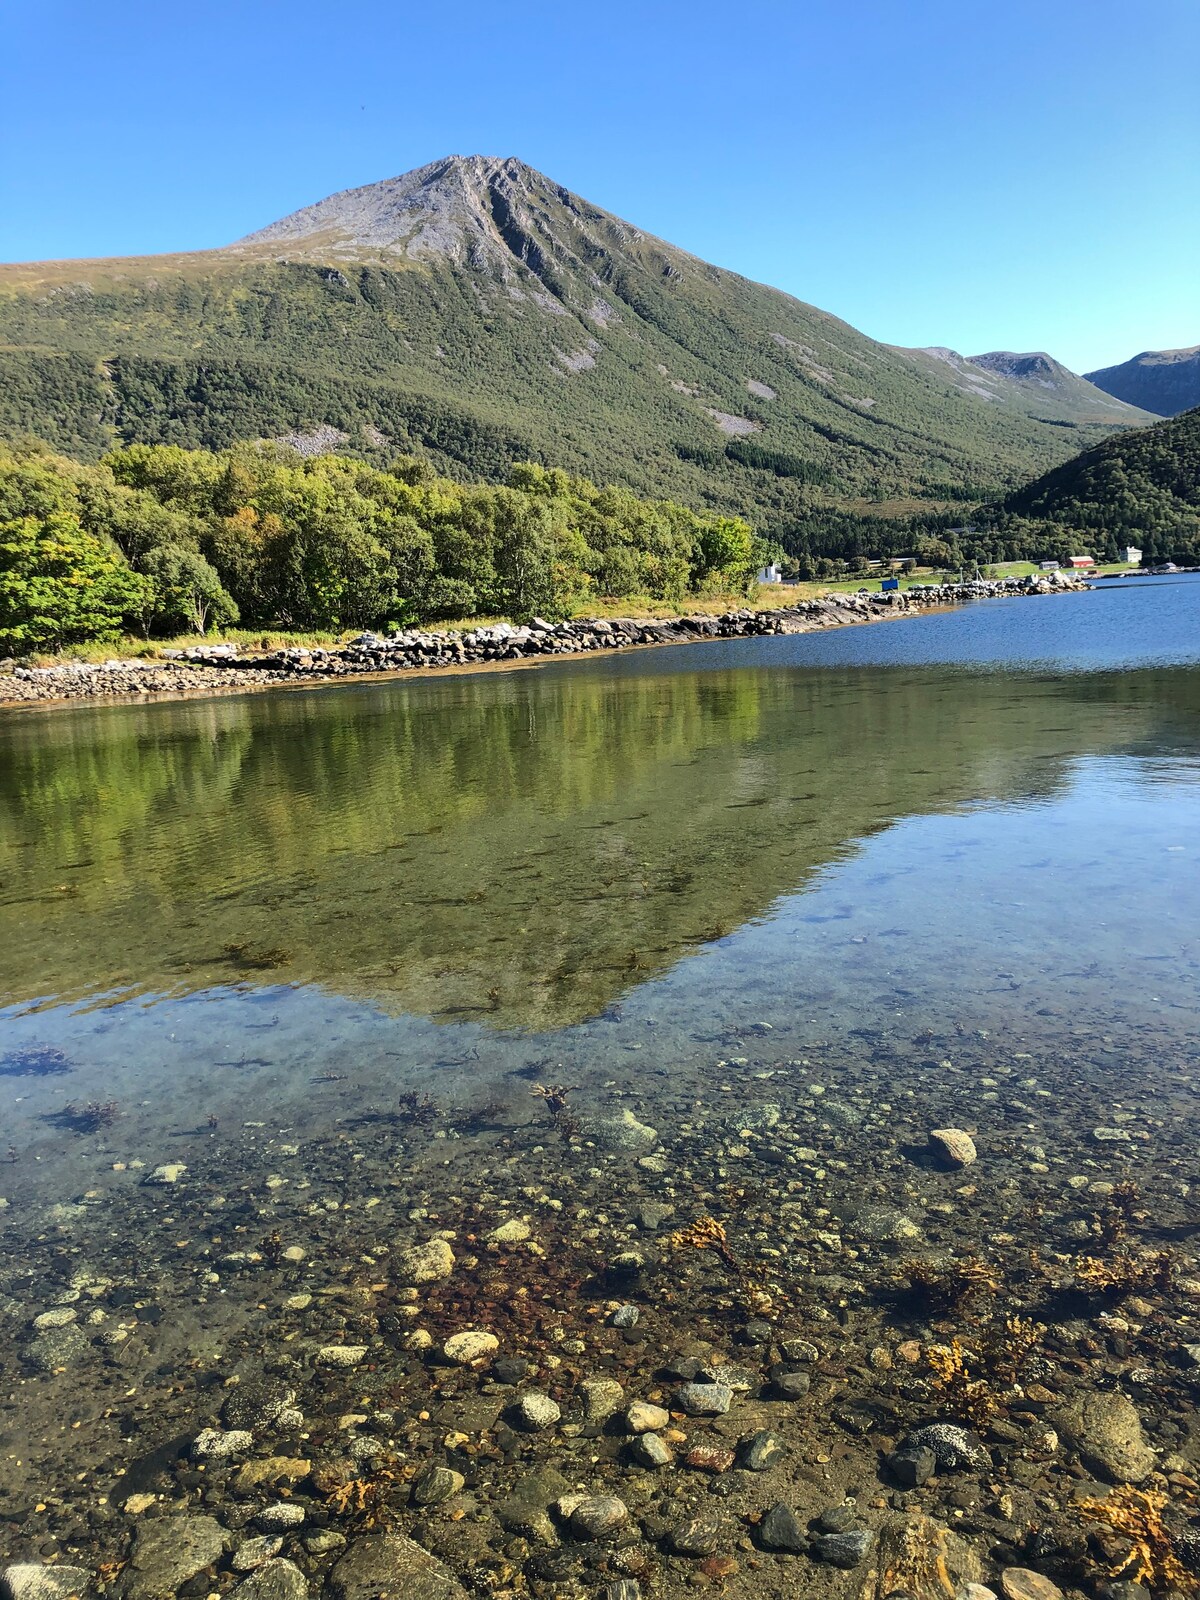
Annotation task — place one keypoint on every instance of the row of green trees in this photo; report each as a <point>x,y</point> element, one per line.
<point>162,539</point>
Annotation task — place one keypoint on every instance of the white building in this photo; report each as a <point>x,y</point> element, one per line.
<point>771,574</point>
<point>1132,555</point>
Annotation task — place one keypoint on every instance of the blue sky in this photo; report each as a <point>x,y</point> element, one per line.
<point>1007,175</point>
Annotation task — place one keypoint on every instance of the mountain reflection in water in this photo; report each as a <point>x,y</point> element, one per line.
<point>516,849</point>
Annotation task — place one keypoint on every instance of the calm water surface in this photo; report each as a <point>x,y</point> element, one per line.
<point>907,859</point>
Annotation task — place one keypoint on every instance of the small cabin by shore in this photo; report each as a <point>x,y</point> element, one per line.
<point>1082,563</point>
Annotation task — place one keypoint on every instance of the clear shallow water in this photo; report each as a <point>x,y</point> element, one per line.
<point>914,861</point>
<point>987,814</point>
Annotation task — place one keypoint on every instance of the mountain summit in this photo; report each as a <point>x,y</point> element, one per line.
<point>476,312</point>
<point>471,210</point>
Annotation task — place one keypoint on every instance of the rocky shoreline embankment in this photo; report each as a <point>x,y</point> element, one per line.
<point>208,668</point>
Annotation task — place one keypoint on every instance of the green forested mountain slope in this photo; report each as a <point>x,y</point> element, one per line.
<point>477,312</point>
<point>1163,381</point>
<point>1141,488</point>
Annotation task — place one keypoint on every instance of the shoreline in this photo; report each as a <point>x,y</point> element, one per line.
<point>204,671</point>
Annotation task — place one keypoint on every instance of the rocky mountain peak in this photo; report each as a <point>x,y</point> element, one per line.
<point>479,211</point>
<point>1034,365</point>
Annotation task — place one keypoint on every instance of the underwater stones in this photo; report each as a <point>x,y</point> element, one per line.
<point>601,1398</point>
<point>508,1369</point>
<point>271,1469</point>
<point>704,1399</point>
<point>425,1263</point>
<point>216,1444</point>
<point>274,1580</point>
<point>799,1350</point>
<point>883,1225</point>
<point>698,1536</point>
<point>470,1345</point>
<point>60,1317</point>
<point>254,1553</point>
<point>56,1347</point>
<point>642,1417</point>
<point>512,1232</point>
<point>762,1451</point>
<point>651,1215</point>
<point>169,1172</point>
<point>168,1551</point>
<point>525,1510</point>
<point>846,1549</point>
<point>792,1385</point>
<point>922,1558</point>
<point>342,1357</point>
<point>436,1484</point>
<point>651,1451</point>
<point>280,1517</point>
<point>952,1147</point>
<point>389,1564</point>
<point>627,1263</point>
<point>622,1132</point>
<point>256,1405</point>
<point>1020,1583</point>
<point>1106,1432</point>
<point>594,1516</point>
<point>953,1447</point>
<point>912,1465</point>
<point>710,1458</point>
<point>29,1580</point>
<point>780,1531</point>
<point>535,1411</point>
<point>626,1317</point>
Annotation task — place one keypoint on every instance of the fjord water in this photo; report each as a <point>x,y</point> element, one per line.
<point>906,864</point>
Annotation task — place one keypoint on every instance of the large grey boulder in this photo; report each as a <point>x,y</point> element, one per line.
<point>170,1550</point>
<point>1106,1431</point>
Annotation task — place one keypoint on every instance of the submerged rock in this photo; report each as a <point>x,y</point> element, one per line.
<point>921,1558</point>
<point>389,1564</point>
<point>470,1345</point>
<point>642,1417</point>
<point>1106,1431</point>
<point>436,1484</point>
<point>168,1551</point>
<point>699,1536</point>
<point>780,1530</point>
<point>274,1580</point>
<point>425,1263</point>
<point>953,1147</point>
<point>954,1448</point>
<point>844,1549</point>
<point>535,1411</point>
<point>29,1580</point>
<point>704,1399</point>
<point>601,1398</point>
<point>623,1132</point>
<point>596,1515</point>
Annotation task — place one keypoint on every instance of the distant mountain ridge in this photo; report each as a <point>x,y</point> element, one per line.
<point>1164,381</point>
<point>478,312</point>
